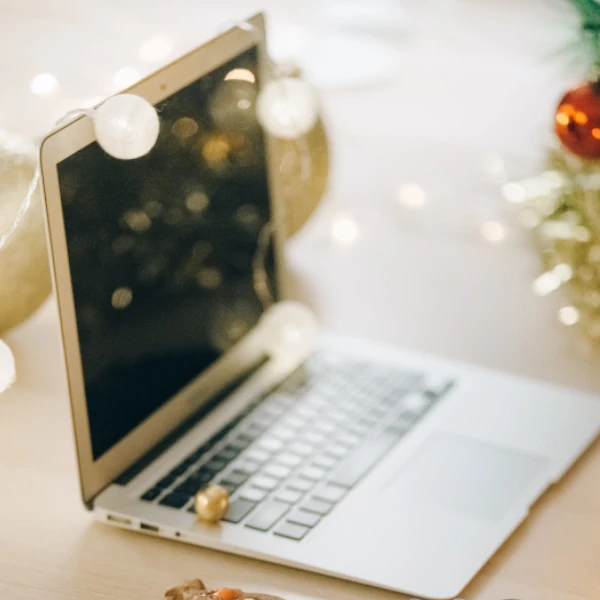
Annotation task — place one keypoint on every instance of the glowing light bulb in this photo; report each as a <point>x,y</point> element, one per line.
<point>290,329</point>
<point>241,75</point>
<point>44,84</point>
<point>344,229</point>
<point>493,232</point>
<point>287,108</point>
<point>126,126</point>
<point>7,367</point>
<point>411,195</point>
<point>568,315</point>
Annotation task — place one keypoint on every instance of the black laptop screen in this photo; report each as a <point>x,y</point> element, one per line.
<point>161,249</point>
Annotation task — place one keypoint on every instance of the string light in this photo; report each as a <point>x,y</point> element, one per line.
<point>44,84</point>
<point>126,126</point>
<point>568,315</point>
<point>411,195</point>
<point>287,108</point>
<point>290,329</point>
<point>493,232</point>
<point>344,230</point>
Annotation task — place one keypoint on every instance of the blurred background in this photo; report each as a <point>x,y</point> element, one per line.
<point>430,106</point>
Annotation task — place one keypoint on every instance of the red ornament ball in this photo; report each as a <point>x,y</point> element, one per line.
<point>578,120</point>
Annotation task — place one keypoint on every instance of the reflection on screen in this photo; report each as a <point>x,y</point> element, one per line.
<point>161,249</point>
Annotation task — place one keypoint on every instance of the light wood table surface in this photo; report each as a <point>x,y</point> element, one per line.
<point>435,287</point>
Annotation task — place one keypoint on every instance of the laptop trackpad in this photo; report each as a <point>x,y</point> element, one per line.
<point>466,476</point>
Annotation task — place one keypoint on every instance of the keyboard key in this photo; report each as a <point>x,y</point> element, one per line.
<point>198,454</point>
<point>247,466</point>
<point>306,410</point>
<point>254,430</point>
<point>362,459</point>
<point>301,448</point>
<point>291,531</point>
<point>270,444</point>
<point>325,462</point>
<point>276,471</point>
<point>336,450</point>
<point>253,494</point>
<point>166,482</point>
<point>330,493</point>
<point>348,439</point>
<point>215,465</point>
<point>238,510</point>
<point>242,441</point>
<point>313,437</point>
<point>228,453</point>
<point>301,517</point>
<point>152,494</point>
<point>190,488</point>
<point>264,483</point>
<point>266,515</point>
<point>368,422</point>
<point>313,473</point>
<point>179,470</point>
<point>294,422</point>
<point>288,459</point>
<point>283,433</point>
<point>229,487</point>
<point>175,500</point>
<point>260,456</point>
<point>274,409</point>
<point>360,431</point>
<point>302,485</point>
<point>376,413</point>
<point>236,477</point>
<point>317,506</point>
<point>288,495</point>
<point>259,424</point>
<point>202,475</point>
<point>325,426</point>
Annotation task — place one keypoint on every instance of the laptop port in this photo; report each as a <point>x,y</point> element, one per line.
<point>152,528</point>
<point>118,519</point>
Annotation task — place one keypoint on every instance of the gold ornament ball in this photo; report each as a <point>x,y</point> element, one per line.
<point>212,503</point>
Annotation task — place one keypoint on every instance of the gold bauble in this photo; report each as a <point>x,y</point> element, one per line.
<point>303,185</point>
<point>24,273</point>
<point>212,503</point>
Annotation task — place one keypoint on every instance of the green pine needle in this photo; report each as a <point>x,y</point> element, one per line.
<point>589,11</point>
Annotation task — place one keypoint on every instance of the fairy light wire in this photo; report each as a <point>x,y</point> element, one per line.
<point>35,180</point>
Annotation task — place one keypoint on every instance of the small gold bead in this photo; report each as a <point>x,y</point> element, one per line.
<point>212,503</point>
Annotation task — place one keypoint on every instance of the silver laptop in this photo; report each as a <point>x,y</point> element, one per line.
<point>353,459</point>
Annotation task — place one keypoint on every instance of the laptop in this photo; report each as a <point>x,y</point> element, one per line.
<point>351,458</point>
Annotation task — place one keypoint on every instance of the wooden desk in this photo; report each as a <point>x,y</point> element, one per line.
<point>51,549</point>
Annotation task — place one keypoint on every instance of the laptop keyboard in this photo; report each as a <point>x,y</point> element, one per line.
<point>290,457</point>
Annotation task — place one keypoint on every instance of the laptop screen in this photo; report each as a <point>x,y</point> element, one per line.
<point>162,249</point>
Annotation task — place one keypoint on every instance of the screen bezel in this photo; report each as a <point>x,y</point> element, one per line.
<point>96,475</point>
